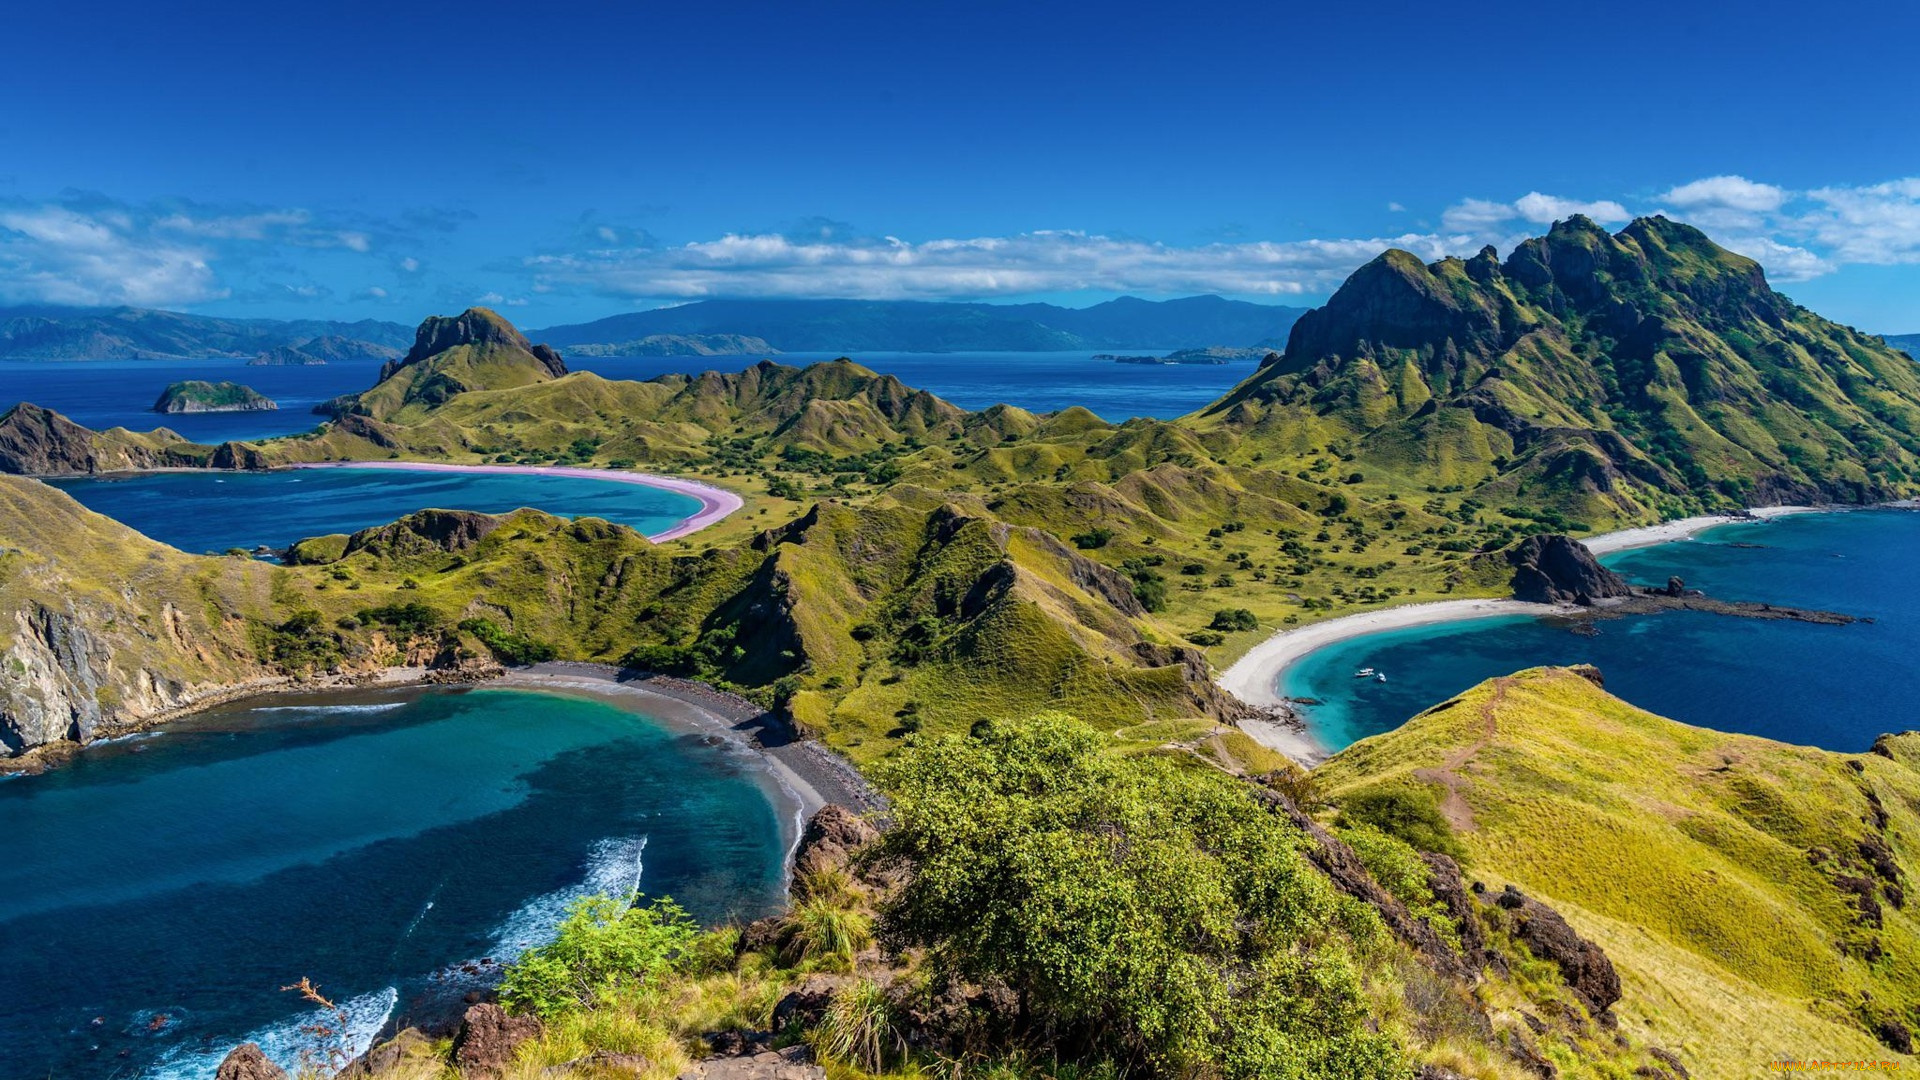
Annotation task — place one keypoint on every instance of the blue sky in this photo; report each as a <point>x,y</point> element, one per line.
<point>563,161</point>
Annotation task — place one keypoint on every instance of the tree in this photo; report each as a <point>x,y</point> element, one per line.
<point>1154,914</point>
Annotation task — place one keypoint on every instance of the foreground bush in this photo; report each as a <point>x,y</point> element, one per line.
<point>605,947</point>
<point>1142,911</point>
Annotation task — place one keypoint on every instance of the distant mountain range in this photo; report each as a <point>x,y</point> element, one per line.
<point>1906,343</point>
<point>125,333</point>
<point>925,326</point>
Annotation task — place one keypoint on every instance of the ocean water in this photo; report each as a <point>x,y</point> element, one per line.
<point>214,511</point>
<point>157,892</point>
<point>120,393</point>
<point>1037,382</point>
<point>1835,687</point>
<point>104,394</point>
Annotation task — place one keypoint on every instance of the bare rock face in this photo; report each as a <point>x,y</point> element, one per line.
<point>246,1062</point>
<point>831,839</point>
<point>1555,569</point>
<point>1585,968</point>
<point>40,442</point>
<point>475,326</point>
<point>488,1037</point>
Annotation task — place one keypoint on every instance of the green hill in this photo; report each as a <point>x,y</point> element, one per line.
<point>1607,376</point>
<point>198,395</point>
<point>1751,893</point>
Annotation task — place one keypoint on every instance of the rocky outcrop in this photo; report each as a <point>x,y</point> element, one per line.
<point>475,326</point>
<point>1583,966</point>
<point>488,1038</point>
<point>247,1062</point>
<point>831,840</point>
<point>1555,569</point>
<point>40,442</point>
<point>425,532</point>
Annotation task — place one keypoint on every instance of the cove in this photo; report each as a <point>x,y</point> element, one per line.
<point>205,511</point>
<point>1835,687</point>
<point>157,891</point>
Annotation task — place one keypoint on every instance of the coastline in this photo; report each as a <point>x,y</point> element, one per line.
<point>805,774</point>
<point>715,503</point>
<point>1254,678</point>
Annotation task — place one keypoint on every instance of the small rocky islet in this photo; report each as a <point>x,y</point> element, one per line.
<point>200,396</point>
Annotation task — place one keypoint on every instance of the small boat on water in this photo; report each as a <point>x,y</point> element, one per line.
<point>1381,677</point>
<point>1364,673</point>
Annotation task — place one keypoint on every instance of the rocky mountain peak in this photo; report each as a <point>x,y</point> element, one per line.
<point>474,326</point>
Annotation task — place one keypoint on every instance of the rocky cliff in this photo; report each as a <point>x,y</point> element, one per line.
<point>103,628</point>
<point>1554,569</point>
<point>40,442</point>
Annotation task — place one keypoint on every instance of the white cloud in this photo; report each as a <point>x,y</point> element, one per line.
<point>1782,262</point>
<point>1476,215</point>
<point>53,255</point>
<point>409,265</point>
<point>1732,192</point>
<point>1395,208</point>
<point>87,249</point>
<point>1877,224</point>
<point>1484,217</point>
<point>1546,209</point>
<point>980,267</point>
<point>494,299</point>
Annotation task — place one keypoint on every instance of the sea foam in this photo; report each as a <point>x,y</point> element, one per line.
<point>291,1044</point>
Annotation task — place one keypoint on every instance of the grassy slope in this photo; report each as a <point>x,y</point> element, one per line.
<point>1704,863</point>
<point>162,617</point>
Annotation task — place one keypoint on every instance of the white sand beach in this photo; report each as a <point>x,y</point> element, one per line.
<point>1255,677</point>
<point>715,503</point>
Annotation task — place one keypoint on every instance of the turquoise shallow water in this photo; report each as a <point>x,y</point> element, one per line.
<point>211,512</point>
<point>1835,687</point>
<point>157,892</point>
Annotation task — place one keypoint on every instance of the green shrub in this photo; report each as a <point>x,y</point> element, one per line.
<point>506,646</point>
<point>1092,538</point>
<point>1408,813</point>
<point>411,618</point>
<point>1143,911</point>
<point>858,1027</point>
<point>824,932</point>
<point>1232,619</point>
<point>604,947</point>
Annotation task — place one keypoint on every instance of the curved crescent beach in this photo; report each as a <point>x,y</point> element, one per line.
<point>715,503</point>
<point>1255,677</point>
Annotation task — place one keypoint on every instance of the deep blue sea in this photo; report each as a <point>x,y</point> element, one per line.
<point>104,394</point>
<point>1037,382</point>
<point>157,892</point>
<point>120,393</point>
<point>214,511</point>
<point>1835,687</point>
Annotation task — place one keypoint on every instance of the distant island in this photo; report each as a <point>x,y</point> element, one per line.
<point>1213,354</point>
<point>327,348</point>
<point>49,332</point>
<point>681,345</point>
<point>200,396</point>
<point>847,326</point>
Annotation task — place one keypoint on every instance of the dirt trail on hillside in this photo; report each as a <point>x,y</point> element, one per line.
<point>1454,806</point>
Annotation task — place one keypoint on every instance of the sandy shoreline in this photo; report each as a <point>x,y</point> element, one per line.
<point>715,503</point>
<point>1255,677</point>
